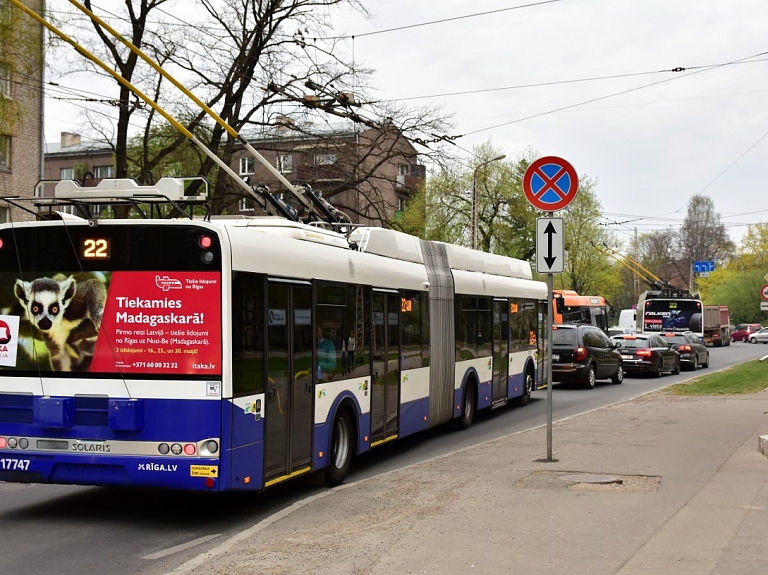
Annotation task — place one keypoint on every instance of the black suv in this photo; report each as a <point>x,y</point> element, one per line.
<point>583,354</point>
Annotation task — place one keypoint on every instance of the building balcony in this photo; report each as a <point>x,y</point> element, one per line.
<point>413,179</point>
<point>326,172</point>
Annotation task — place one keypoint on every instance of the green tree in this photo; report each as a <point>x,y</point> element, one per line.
<point>152,152</point>
<point>737,283</point>
<point>588,271</point>
<point>739,290</point>
<point>754,247</point>
<point>506,221</point>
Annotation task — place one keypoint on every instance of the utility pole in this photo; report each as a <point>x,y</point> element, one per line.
<point>636,278</point>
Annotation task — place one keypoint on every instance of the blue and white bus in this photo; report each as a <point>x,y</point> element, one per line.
<point>217,354</point>
<point>670,310</point>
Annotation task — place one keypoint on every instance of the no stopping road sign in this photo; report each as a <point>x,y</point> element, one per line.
<point>550,183</point>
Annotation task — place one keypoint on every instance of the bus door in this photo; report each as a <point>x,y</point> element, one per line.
<point>542,344</point>
<point>385,353</point>
<point>500,349</point>
<point>288,415</point>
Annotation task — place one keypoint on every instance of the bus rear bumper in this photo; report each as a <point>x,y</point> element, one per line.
<point>185,473</point>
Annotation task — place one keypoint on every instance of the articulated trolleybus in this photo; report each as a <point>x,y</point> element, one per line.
<point>198,353</point>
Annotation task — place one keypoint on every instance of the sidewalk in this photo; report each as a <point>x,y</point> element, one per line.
<point>693,499</point>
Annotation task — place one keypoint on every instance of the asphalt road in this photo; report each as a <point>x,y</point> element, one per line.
<point>85,530</point>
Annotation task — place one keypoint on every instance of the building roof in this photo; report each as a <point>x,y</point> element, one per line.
<point>81,147</point>
<point>292,130</point>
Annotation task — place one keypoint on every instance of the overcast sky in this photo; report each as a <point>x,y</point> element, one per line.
<point>590,81</point>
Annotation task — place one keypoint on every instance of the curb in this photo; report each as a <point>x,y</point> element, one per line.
<point>762,444</point>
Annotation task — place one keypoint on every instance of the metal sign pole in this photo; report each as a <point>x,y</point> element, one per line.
<point>550,318</point>
<point>550,184</point>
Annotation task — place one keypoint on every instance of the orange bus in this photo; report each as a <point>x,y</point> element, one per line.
<point>586,309</point>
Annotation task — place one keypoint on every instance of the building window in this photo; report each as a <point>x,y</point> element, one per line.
<point>246,166</point>
<point>3,215</point>
<point>5,152</point>
<point>285,163</point>
<point>101,172</point>
<point>67,174</point>
<point>5,81</point>
<point>401,204</point>
<point>325,159</point>
<point>245,205</point>
<point>402,171</point>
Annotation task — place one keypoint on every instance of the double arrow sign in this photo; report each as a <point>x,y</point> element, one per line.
<point>549,245</point>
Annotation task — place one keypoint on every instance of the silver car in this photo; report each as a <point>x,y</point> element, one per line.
<point>759,336</point>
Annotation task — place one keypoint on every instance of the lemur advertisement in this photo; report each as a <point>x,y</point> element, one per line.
<point>113,322</point>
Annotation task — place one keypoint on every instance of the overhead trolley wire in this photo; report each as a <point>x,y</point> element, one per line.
<point>440,21</point>
<point>629,90</point>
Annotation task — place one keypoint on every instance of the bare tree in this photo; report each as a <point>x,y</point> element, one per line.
<point>252,62</point>
<point>702,236</point>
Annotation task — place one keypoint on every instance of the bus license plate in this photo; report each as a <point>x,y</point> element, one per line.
<point>14,464</point>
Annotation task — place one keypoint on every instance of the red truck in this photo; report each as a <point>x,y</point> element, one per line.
<point>717,325</point>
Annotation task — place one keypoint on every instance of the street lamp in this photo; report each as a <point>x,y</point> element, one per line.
<point>474,224</point>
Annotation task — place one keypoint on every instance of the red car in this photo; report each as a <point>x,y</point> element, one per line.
<point>744,330</point>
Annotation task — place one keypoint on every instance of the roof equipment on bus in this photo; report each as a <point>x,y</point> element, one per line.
<point>176,192</point>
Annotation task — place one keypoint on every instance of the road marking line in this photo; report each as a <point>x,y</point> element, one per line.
<point>182,547</point>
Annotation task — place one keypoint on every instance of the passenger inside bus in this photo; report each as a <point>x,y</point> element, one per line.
<point>326,355</point>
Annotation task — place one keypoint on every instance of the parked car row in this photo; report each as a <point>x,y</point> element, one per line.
<point>583,354</point>
<point>759,336</point>
<point>743,331</point>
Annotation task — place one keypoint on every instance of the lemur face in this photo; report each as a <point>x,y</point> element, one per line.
<point>45,300</point>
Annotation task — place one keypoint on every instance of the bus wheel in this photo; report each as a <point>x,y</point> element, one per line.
<point>527,390</point>
<point>467,407</point>
<point>340,452</point>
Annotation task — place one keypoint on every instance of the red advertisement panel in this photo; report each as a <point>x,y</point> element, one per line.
<point>161,323</point>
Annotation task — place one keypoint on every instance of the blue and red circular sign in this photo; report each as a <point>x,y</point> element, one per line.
<point>550,183</point>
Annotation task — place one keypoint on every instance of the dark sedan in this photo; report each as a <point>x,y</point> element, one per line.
<point>693,353</point>
<point>647,353</point>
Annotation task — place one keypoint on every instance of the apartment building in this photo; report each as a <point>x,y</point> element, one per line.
<point>21,107</point>
<point>368,173</point>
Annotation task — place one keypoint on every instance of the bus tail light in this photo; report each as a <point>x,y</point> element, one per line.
<point>581,353</point>
<point>13,443</point>
<point>190,449</point>
<point>208,448</point>
<point>210,482</point>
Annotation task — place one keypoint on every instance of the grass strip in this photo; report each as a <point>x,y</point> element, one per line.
<point>749,377</point>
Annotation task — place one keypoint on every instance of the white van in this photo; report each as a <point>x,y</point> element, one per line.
<point>628,320</point>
